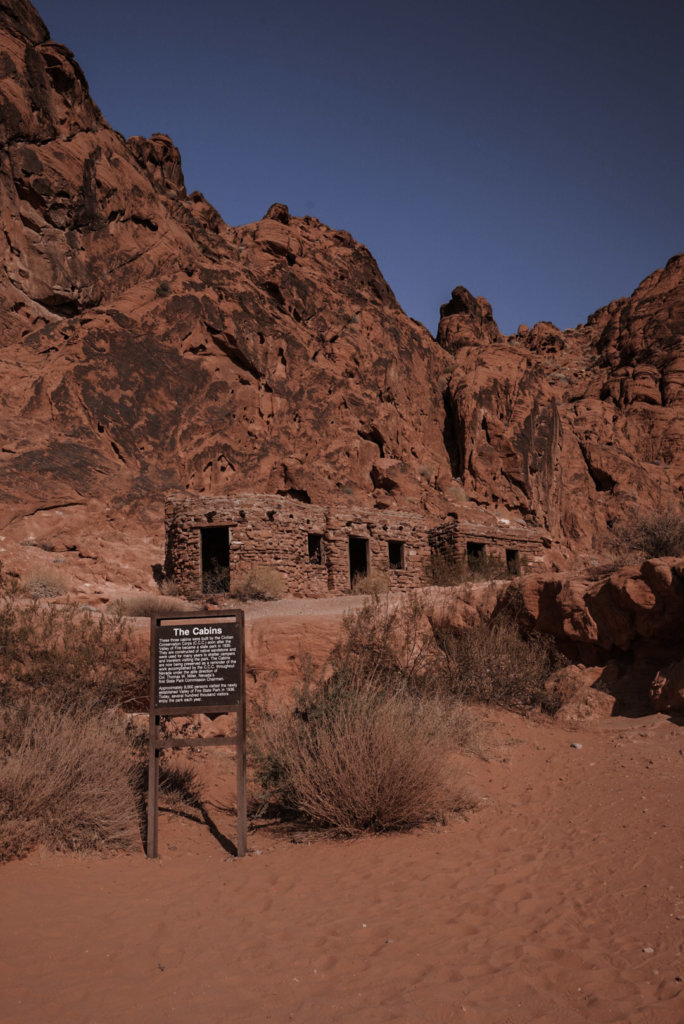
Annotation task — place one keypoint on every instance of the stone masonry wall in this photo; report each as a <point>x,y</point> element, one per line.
<point>268,530</point>
<point>264,530</point>
<point>378,528</point>
<point>272,531</point>
<point>496,533</point>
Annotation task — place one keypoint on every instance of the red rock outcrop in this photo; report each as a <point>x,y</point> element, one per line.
<point>151,346</point>
<point>148,346</point>
<point>624,629</point>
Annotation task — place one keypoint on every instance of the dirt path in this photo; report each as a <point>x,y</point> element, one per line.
<point>560,900</point>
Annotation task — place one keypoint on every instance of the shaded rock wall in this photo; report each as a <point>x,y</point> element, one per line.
<point>628,624</point>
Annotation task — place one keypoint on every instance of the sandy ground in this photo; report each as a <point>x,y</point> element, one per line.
<point>560,899</point>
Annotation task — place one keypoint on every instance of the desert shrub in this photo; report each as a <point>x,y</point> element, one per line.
<point>216,579</point>
<point>495,663</point>
<point>147,605</point>
<point>657,533</point>
<point>44,583</point>
<point>67,656</point>
<point>364,748</point>
<point>260,583</point>
<point>451,570</point>
<point>169,588</point>
<point>373,762</point>
<point>66,780</point>
<point>178,782</point>
<point>371,585</point>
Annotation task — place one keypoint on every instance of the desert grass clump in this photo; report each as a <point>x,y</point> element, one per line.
<point>495,663</point>
<point>66,780</point>
<point>363,749</point>
<point>371,584</point>
<point>656,533</point>
<point>446,570</point>
<point>67,656</point>
<point>260,583</point>
<point>45,583</point>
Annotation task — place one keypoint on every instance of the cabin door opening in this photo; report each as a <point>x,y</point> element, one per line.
<point>358,558</point>
<point>215,559</point>
<point>513,561</point>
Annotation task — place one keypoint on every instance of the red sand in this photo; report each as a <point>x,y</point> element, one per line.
<point>561,899</point>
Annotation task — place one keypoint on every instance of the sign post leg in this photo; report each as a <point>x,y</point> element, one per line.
<point>241,758</point>
<point>153,789</point>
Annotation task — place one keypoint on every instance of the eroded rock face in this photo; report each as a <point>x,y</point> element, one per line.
<point>154,347</point>
<point>574,428</point>
<point>623,629</point>
<point>149,346</point>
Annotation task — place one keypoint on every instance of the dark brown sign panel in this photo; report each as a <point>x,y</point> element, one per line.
<point>198,663</point>
<point>198,667</point>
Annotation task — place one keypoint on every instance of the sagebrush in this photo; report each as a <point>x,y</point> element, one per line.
<point>45,583</point>
<point>495,663</point>
<point>656,532</point>
<point>371,584</point>
<point>66,780</point>
<point>72,776</point>
<point>364,748</point>
<point>451,570</point>
<point>146,605</point>
<point>68,655</point>
<point>260,583</point>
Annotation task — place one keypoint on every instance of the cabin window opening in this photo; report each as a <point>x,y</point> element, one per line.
<point>315,541</point>
<point>396,554</point>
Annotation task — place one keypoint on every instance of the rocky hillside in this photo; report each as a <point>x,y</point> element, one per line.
<point>148,346</point>
<point>576,427</point>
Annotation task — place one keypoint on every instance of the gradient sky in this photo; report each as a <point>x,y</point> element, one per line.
<point>531,151</point>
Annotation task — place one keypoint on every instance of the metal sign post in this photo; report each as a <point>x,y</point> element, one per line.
<point>197,667</point>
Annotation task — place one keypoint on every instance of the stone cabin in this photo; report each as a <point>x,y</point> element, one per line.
<point>319,551</point>
<point>471,533</point>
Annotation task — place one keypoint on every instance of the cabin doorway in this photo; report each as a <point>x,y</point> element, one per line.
<point>358,558</point>
<point>215,559</point>
<point>513,561</point>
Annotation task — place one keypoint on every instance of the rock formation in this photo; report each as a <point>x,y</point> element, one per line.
<point>147,346</point>
<point>574,428</point>
<point>623,629</point>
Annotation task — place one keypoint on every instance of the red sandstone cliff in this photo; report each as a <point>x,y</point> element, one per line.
<point>148,346</point>
<point>577,427</point>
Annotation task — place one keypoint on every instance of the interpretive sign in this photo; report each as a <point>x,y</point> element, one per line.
<point>198,667</point>
<point>198,664</point>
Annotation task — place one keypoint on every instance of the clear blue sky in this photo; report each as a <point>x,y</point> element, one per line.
<point>531,151</point>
